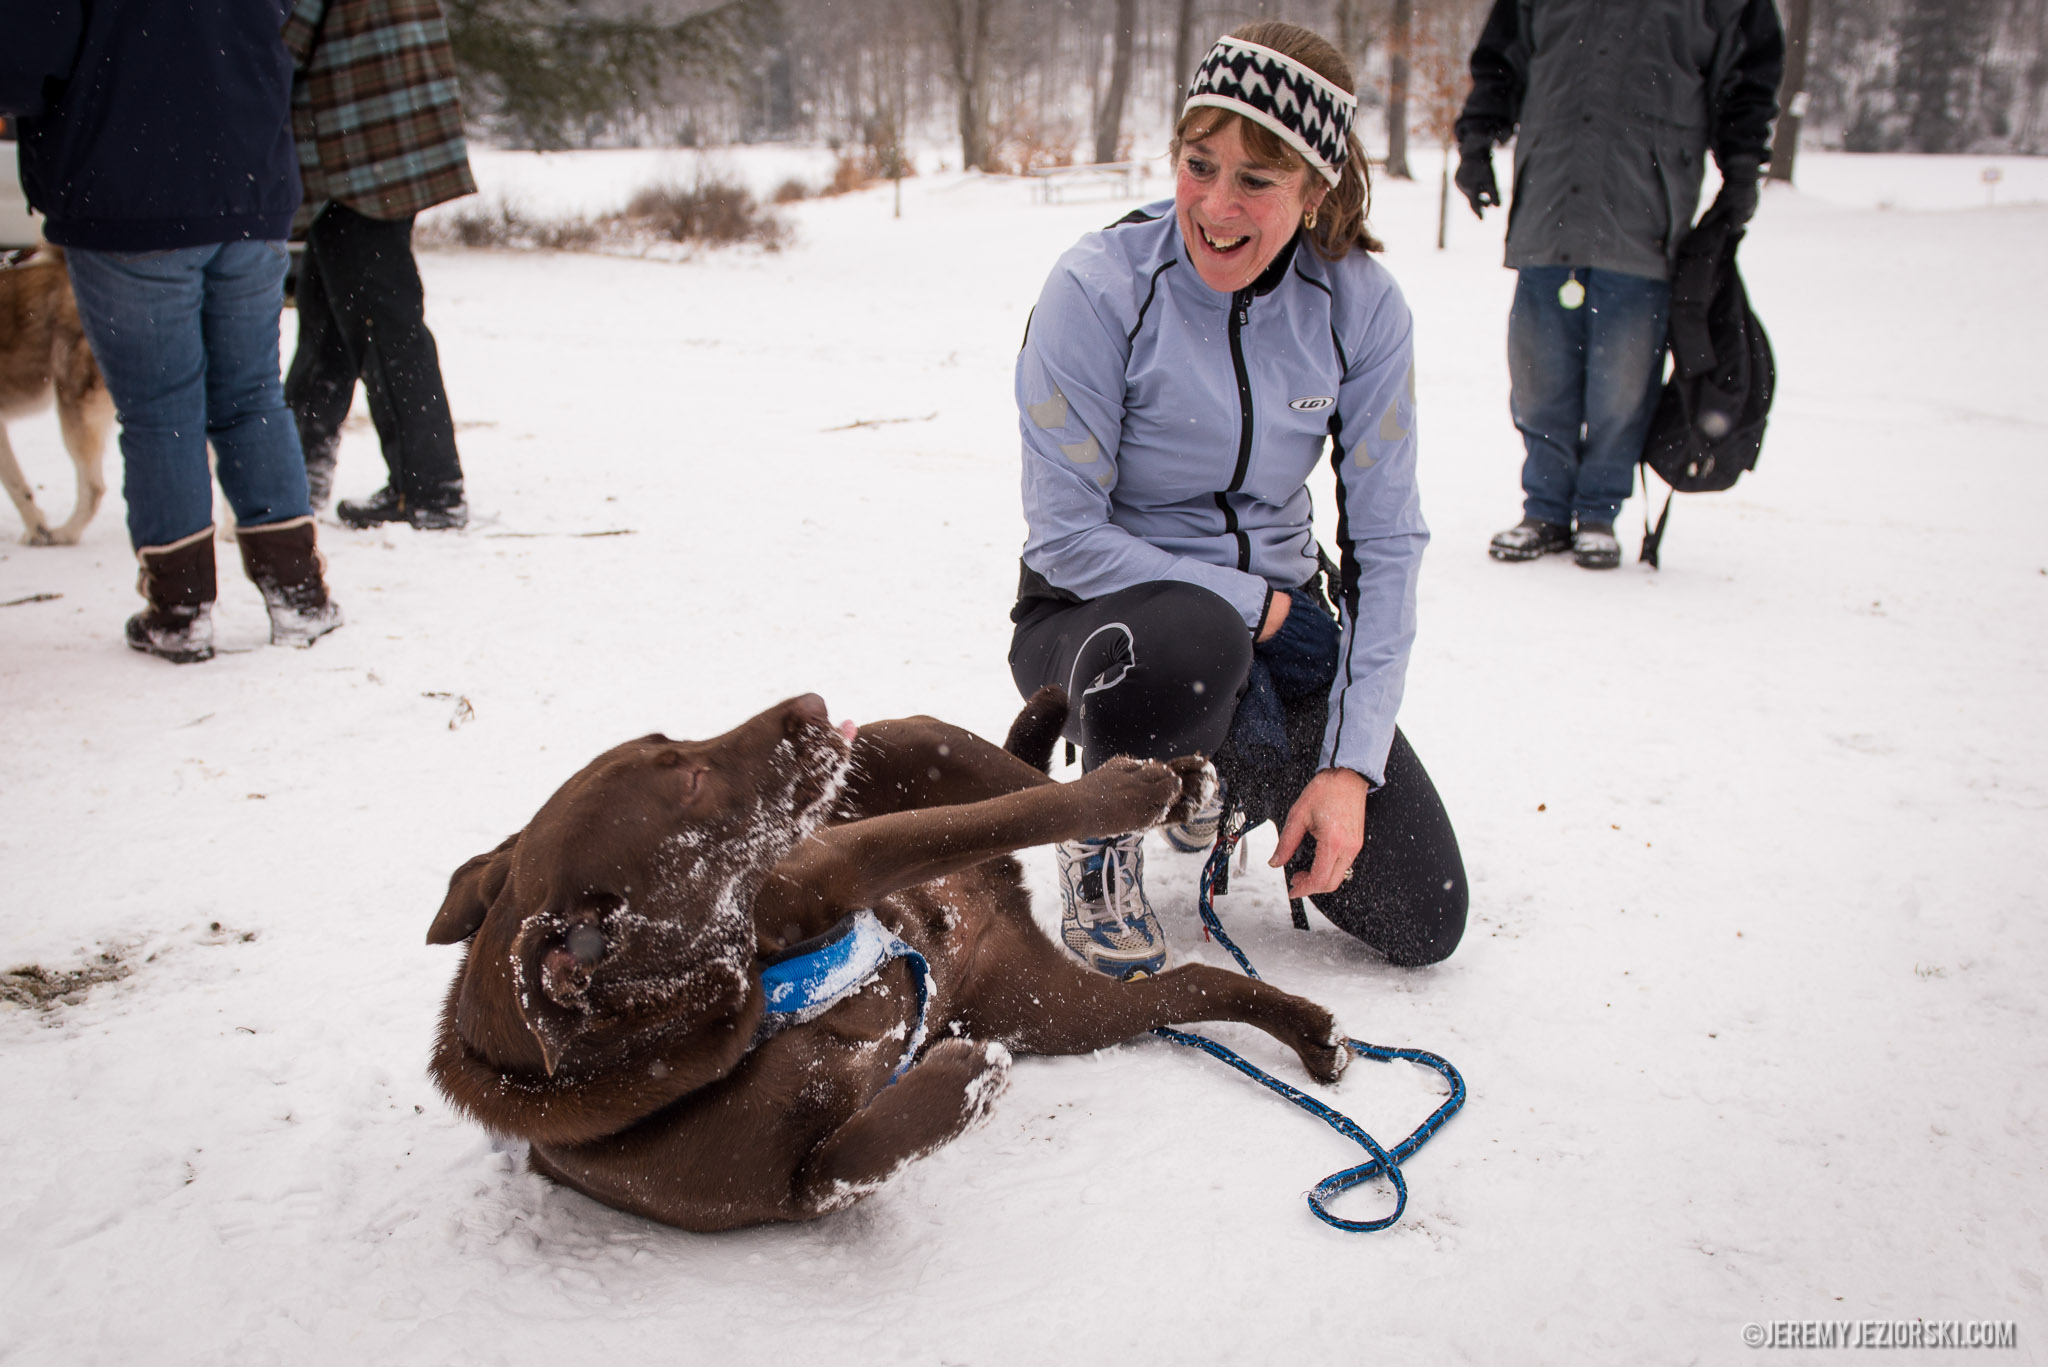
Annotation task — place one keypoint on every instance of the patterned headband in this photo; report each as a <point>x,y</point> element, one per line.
<point>1273,90</point>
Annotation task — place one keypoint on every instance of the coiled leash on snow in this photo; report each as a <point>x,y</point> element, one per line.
<point>1215,879</point>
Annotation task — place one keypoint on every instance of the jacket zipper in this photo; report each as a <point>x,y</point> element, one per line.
<point>1240,314</point>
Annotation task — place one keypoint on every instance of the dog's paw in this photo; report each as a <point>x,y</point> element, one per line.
<point>1133,793</point>
<point>1197,787</point>
<point>1322,1050</point>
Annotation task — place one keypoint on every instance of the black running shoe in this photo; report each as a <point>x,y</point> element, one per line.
<point>1530,539</point>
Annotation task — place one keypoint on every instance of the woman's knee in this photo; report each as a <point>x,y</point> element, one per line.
<point>1153,670</point>
<point>1185,632</point>
<point>1412,928</point>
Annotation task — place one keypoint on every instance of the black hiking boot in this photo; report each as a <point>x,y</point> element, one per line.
<point>1530,539</point>
<point>1594,546</point>
<point>445,514</point>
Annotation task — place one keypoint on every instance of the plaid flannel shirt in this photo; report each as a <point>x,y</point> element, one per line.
<point>375,108</point>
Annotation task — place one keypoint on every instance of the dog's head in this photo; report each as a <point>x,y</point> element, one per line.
<point>626,902</point>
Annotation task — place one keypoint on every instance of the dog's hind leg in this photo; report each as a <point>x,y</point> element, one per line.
<point>38,530</point>
<point>945,1093</point>
<point>85,420</point>
<point>1036,1000</point>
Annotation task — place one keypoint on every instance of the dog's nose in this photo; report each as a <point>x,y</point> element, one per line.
<point>809,710</point>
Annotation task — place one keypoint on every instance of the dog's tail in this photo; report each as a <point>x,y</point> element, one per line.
<point>1037,728</point>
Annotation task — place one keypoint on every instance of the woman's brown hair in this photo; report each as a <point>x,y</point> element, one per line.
<point>1340,218</point>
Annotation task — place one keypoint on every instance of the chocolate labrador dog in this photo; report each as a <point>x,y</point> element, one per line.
<point>611,1007</point>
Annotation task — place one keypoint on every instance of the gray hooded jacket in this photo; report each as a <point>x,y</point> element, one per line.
<point>1613,105</point>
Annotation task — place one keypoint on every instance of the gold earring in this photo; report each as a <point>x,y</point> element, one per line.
<point>1308,220</point>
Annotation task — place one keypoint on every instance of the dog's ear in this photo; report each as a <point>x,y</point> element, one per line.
<point>471,890</point>
<point>529,961</point>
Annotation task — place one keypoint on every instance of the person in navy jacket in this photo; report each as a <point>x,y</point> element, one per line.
<point>156,141</point>
<point>1183,373</point>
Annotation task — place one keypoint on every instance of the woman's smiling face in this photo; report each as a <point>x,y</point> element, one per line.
<point>1236,214</point>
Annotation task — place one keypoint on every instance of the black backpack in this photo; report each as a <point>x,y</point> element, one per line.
<point>1709,424</point>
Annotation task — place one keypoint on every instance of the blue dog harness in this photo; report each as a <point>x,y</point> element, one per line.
<point>808,979</point>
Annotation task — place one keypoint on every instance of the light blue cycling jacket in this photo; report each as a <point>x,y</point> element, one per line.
<point>1169,430</point>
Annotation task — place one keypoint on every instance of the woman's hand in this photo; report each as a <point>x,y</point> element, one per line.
<point>1332,809</point>
<point>1276,615</point>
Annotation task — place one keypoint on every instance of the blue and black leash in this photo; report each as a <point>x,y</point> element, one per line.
<point>1383,1162</point>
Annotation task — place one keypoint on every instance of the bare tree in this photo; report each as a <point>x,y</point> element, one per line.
<point>964,27</point>
<point>1399,39</point>
<point>1354,34</point>
<point>1442,47</point>
<point>1109,115</point>
<point>1792,90</point>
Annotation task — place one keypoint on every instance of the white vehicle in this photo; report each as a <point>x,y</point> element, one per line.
<point>19,227</point>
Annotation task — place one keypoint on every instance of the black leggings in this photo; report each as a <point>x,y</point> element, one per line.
<point>1156,671</point>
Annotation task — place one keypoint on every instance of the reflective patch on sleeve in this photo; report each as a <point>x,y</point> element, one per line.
<point>1103,480</point>
<point>1052,413</point>
<point>1082,452</point>
<point>1390,424</point>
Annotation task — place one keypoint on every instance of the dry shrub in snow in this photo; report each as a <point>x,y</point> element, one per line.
<point>790,191</point>
<point>716,212</point>
<point>713,213</point>
<point>1030,144</point>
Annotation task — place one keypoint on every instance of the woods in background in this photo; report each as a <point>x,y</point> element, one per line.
<point>1016,84</point>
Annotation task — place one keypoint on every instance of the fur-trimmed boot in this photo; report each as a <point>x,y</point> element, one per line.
<point>178,583</point>
<point>286,566</point>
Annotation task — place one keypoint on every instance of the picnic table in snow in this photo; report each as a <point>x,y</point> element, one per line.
<point>1125,179</point>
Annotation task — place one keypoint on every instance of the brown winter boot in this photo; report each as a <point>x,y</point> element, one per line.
<point>287,567</point>
<point>177,580</point>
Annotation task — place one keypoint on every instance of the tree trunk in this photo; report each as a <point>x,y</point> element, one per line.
<point>1183,54</point>
<point>964,26</point>
<point>1109,118</point>
<point>1792,93</point>
<point>1403,30</point>
<point>1354,35</point>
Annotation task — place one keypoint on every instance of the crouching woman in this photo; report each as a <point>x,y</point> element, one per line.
<point>1183,373</point>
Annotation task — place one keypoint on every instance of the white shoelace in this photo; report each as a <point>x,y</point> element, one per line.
<point>1117,867</point>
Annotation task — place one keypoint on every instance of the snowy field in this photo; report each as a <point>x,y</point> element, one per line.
<point>1751,1006</point>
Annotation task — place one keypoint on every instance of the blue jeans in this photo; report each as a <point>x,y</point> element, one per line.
<point>187,341</point>
<point>1584,387</point>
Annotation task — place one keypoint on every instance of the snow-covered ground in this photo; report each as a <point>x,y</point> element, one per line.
<point>1751,1005</point>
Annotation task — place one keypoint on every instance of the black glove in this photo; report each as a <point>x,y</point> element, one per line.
<point>1738,198</point>
<point>1475,175</point>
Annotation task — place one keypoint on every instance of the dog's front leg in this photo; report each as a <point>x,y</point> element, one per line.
<point>946,1092</point>
<point>848,867</point>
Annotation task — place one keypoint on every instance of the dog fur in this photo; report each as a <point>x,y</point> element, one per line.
<point>44,355</point>
<point>607,1006</point>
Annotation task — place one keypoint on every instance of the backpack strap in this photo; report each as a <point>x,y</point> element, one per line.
<point>1653,538</point>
